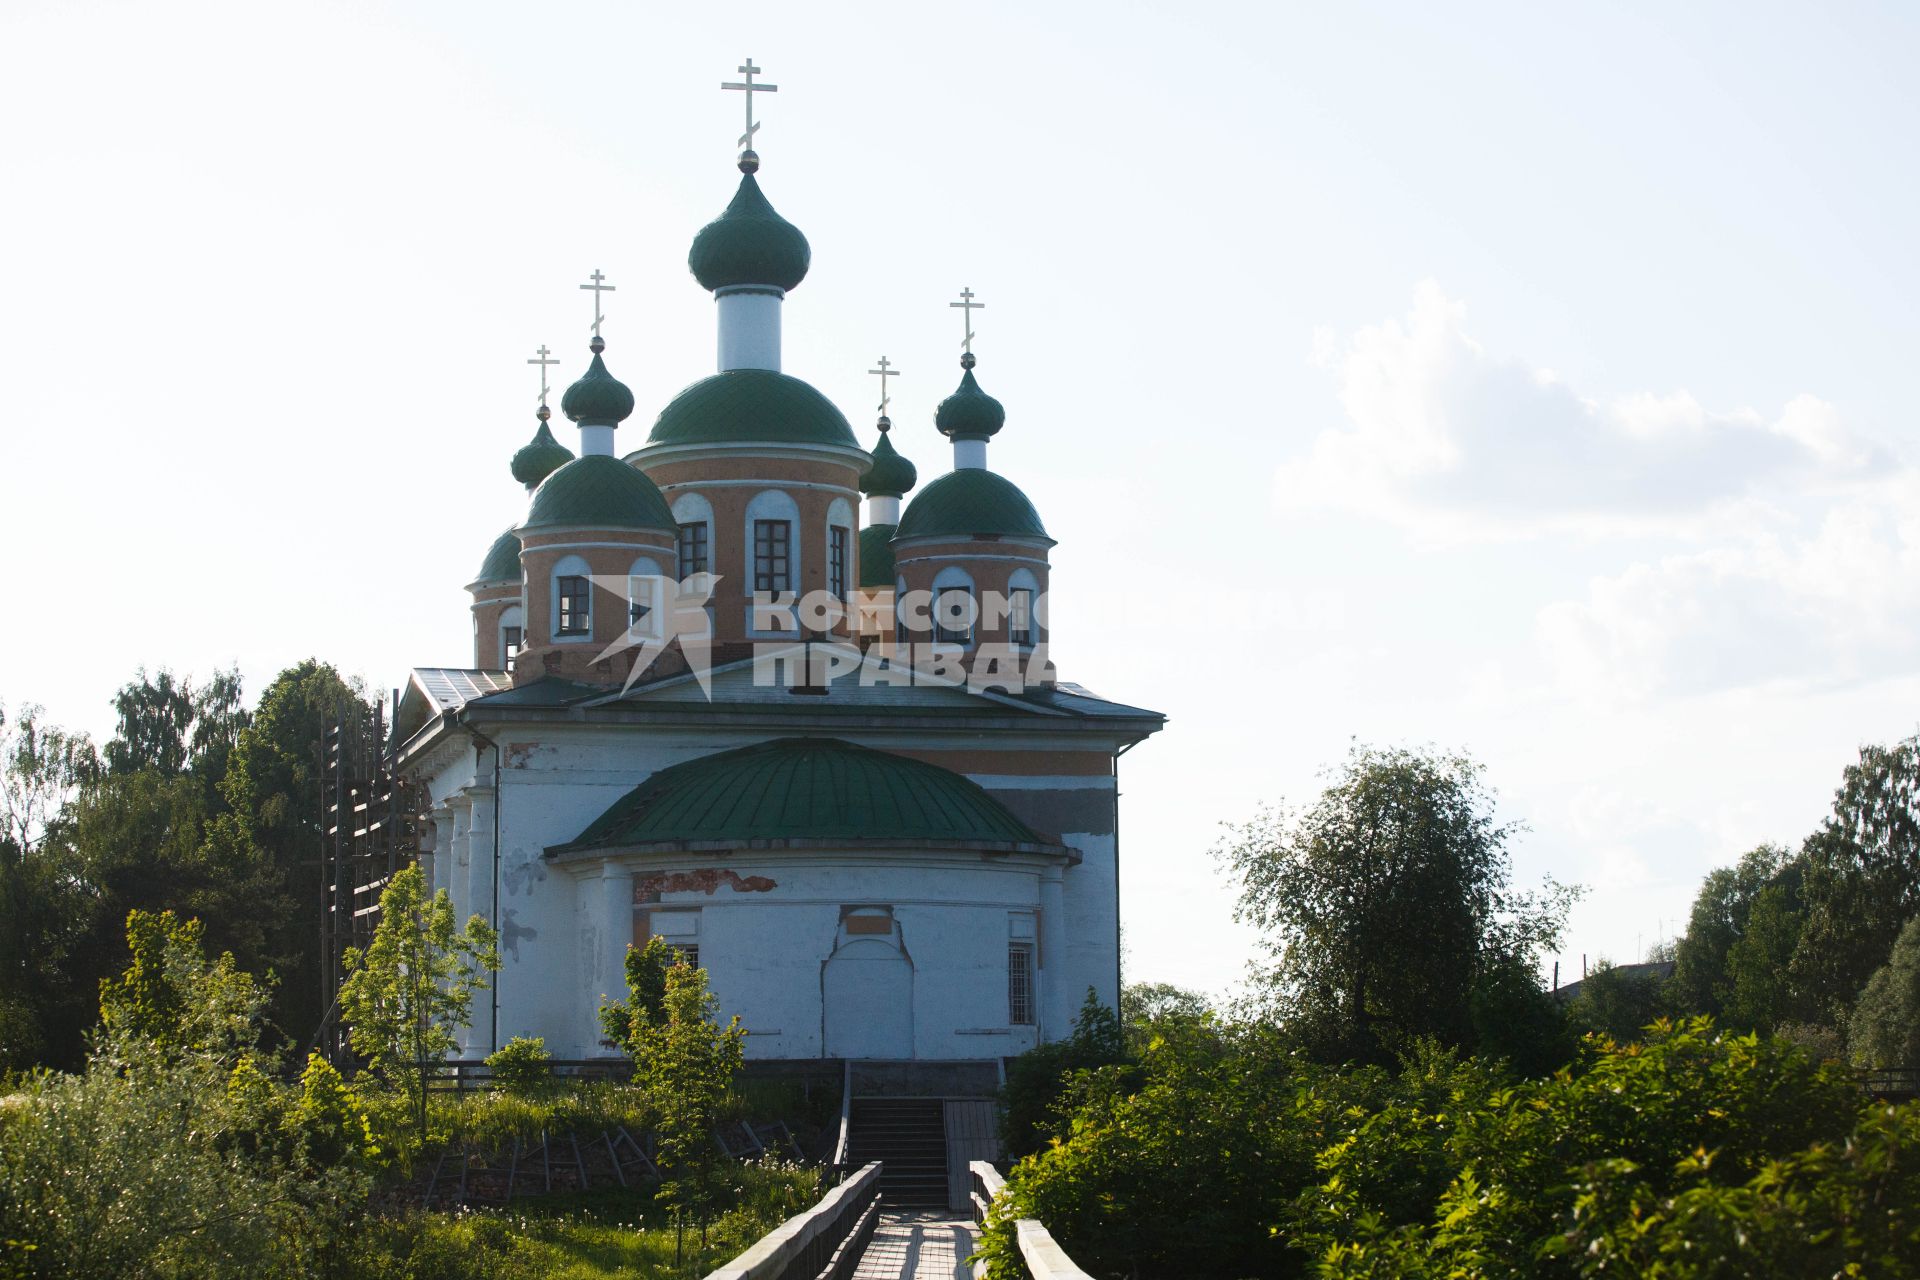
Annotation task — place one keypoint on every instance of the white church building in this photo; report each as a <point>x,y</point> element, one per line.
<point>886,830</point>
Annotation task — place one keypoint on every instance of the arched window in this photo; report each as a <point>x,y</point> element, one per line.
<point>694,515</point>
<point>512,634</point>
<point>1023,594</point>
<point>572,600</point>
<point>773,562</point>
<point>955,606</point>
<point>839,549</point>
<point>647,597</point>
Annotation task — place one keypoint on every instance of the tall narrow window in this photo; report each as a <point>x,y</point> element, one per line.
<point>510,645</point>
<point>693,549</point>
<point>1020,616</point>
<point>837,562</point>
<point>1020,984</point>
<point>575,615</point>
<point>953,616</point>
<point>772,561</point>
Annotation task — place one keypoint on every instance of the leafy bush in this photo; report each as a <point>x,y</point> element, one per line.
<point>1037,1079</point>
<point>1885,1030</point>
<point>522,1066</point>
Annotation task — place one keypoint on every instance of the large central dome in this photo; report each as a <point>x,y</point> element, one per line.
<point>751,406</point>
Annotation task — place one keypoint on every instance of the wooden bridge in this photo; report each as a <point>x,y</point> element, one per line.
<point>849,1235</point>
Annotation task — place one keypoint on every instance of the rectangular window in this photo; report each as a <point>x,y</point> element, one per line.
<point>953,616</point>
<point>693,549</point>
<point>1020,616</point>
<point>837,562</point>
<point>1020,984</point>
<point>575,619</point>
<point>772,564</point>
<point>510,642</point>
<point>687,951</point>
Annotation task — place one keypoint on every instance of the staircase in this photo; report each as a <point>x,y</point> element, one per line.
<point>909,1137</point>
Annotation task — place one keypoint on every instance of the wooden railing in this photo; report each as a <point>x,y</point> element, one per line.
<point>462,1075</point>
<point>823,1243</point>
<point>1044,1258</point>
<point>1891,1083</point>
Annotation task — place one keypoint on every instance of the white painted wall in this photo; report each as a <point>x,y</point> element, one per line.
<point>563,928</point>
<point>749,330</point>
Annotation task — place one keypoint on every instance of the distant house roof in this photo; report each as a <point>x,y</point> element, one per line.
<point>1659,970</point>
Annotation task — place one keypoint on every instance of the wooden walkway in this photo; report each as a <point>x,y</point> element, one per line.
<point>919,1246</point>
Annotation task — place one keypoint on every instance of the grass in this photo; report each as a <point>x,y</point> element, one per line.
<point>600,1235</point>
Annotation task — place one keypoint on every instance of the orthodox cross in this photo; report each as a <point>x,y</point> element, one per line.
<point>885,371</point>
<point>750,88</point>
<point>543,362</point>
<point>967,307</point>
<point>598,288</point>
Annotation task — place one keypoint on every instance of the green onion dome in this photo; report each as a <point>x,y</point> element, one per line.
<point>876,556</point>
<point>891,475</point>
<point>757,406</point>
<point>967,503</point>
<point>503,561</point>
<point>749,244</point>
<point>541,456</point>
<point>817,789</point>
<point>969,413</point>
<point>601,492</point>
<point>598,399</point>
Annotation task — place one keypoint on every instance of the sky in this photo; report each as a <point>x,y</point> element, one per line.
<point>1510,379</point>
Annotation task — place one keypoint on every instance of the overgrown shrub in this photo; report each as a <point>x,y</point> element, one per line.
<point>522,1066</point>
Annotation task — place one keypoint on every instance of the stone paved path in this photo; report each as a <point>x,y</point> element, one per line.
<point>918,1246</point>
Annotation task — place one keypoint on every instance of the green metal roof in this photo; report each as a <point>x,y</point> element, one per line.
<point>749,244</point>
<point>890,475</point>
<point>804,789</point>
<point>969,413</point>
<point>601,491</point>
<point>598,399</point>
<point>876,556</point>
<point>541,456</point>
<point>969,501</point>
<point>503,560</point>
<point>751,406</point>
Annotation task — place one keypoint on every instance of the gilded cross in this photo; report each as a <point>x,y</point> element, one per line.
<point>543,362</point>
<point>750,88</point>
<point>885,371</point>
<point>967,307</point>
<point>599,287</point>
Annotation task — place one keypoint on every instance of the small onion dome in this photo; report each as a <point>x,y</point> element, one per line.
<point>807,789</point>
<point>876,556</point>
<point>890,476</point>
<point>600,492</point>
<point>969,413</point>
<point>756,406</point>
<point>598,399</point>
<point>969,502</point>
<point>503,560</point>
<point>749,244</point>
<point>541,456</point>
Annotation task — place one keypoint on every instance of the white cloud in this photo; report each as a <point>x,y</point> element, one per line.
<point>1766,550</point>
<point>1448,440</point>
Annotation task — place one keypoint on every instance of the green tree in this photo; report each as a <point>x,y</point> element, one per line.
<point>1717,922</point>
<point>622,1021</point>
<point>1760,993</point>
<point>687,1062</point>
<point>1038,1080</point>
<point>1885,1029</point>
<point>405,995</point>
<point>1862,877</point>
<point>270,825</point>
<point>1618,1002</point>
<point>1385,900</point>
<point>173,1001</point>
